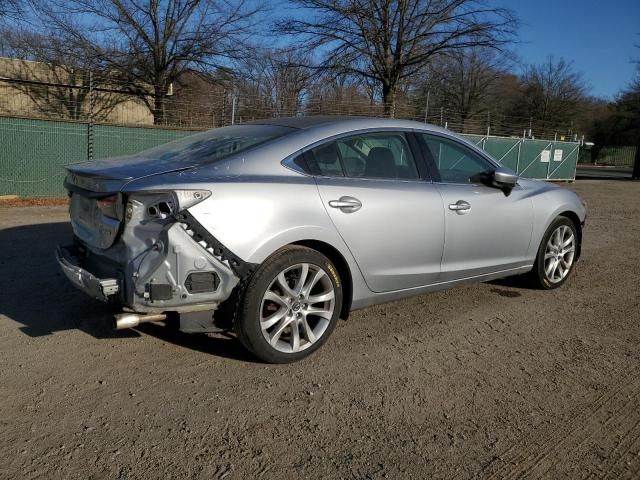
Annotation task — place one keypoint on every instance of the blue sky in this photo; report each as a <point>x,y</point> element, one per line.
<point>597,35</point>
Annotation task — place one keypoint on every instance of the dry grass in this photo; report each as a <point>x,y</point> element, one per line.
<point>11,202</point>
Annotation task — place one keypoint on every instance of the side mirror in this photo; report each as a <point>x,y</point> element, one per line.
<point>505,179</point>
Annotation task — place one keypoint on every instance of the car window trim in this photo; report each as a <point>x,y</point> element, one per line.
<point>287,162</point>
<point>418,155</point>
<point>406,132</point>
<point>425,170</point>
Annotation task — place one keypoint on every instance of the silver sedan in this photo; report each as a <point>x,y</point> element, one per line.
<point>278,228</point>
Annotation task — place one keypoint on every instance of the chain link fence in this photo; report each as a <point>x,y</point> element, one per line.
<point>610,156</point>
<point>98,100</point>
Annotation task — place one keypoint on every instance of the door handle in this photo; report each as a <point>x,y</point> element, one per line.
<point>346,204</point>
<point>460,207</point>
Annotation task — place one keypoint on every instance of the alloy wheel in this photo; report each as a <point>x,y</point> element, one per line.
<point>559,254</point>
<point>297,307</point>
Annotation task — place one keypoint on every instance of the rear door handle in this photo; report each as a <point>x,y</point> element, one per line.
<point>460,207</point>
<point>346,204</point>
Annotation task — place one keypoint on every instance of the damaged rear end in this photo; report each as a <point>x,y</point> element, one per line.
<point>137,246</point>
<point>145,253</point>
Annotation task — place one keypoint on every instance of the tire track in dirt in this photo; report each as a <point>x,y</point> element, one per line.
<point>538,454</point>
<point>625,447</point>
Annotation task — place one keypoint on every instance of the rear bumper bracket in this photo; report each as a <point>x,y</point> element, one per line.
<point>84,280</point>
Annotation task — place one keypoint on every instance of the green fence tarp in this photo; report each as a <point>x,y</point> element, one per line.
<point>34,152</point>
<point>112,141</point>
<point>540,159</point>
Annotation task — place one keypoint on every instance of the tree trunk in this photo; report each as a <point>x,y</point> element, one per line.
<point>389,99</point>
<point>636,166</point>
<point>158,105</point>
<point>463,121</point>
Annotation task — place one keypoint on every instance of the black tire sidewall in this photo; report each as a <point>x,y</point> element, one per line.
<point>247,325</point>
<point>541,277</point>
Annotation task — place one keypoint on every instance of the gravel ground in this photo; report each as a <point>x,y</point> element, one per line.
<point>485,381</point>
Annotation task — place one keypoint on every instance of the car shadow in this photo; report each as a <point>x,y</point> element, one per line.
<point>519,282</point>
<point>223,344</point>
<point>35,294</point>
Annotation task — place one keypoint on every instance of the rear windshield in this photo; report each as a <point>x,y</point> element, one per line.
<point>214,145</point>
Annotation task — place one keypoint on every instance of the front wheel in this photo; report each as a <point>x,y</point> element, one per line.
<point>556,254</point>
<point>290,306</point>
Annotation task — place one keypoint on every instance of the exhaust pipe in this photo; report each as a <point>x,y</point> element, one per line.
<point>132,320</point>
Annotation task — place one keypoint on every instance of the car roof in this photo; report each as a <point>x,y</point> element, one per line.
<point>300,122</point>
<point>344,122</point>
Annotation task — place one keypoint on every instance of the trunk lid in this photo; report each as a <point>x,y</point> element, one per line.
<point>109,176</point>
<point>91,183</point>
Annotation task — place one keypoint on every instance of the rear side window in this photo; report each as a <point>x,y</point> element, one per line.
<point>213,145</point>
<point>372,155</point>
<point>327,160</point>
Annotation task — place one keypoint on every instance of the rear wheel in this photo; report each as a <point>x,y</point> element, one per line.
<point>556,254</point>
<point>290,306</point>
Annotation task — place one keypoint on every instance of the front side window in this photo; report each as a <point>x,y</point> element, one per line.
<point>455,163</point>
<point>372,155</point>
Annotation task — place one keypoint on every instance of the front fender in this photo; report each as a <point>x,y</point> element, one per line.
<point>548,205</point>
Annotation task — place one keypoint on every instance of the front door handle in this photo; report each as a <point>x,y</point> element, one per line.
<point>346,204</point>
<point>460,207</point>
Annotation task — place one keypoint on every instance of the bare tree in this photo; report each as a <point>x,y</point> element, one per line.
<point>273,79</point>
<point>10,11</point>
<point>341,94</point>
<point>551,93</point>
<point>391,40</point>
<point>11,8</point>
<point>466,81</point>
<point>148,44</point>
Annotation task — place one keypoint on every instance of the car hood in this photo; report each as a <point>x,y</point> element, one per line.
<point>537,185</point>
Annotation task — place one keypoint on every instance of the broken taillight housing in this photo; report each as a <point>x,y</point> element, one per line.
<point>163,204</point>
<point>110,206</point>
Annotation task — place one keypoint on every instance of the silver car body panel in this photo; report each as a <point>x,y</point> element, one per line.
<point>397,236</point>
<point>494,234</point>
<point>404,240</point>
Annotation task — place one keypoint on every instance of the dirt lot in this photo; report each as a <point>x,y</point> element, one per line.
<point>484,381</point>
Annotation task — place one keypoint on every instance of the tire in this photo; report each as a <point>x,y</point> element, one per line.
<point>557,255</point>
<point>278,320</point>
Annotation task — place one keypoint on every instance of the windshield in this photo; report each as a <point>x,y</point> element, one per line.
<point>213,145</point>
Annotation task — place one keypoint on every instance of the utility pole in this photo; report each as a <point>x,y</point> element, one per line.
<point>90,123</point>
<point>233,109</point>
<point>224,107</point>
<point>488,122</point>
<point>426,107</point>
